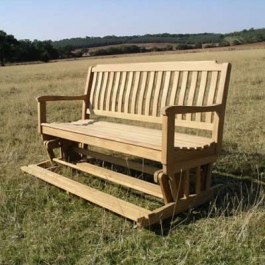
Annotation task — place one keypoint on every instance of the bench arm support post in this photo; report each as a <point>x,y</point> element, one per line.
<point>42,100</point>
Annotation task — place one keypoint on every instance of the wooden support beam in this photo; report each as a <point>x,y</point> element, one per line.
<point>141,167</point>
<point>115,177</point>
<point>102,199</point>
<point>141,216</point>
<point>173,208</point>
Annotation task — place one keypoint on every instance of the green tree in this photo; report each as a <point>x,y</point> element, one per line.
<point>45,50</point>
<point>25,51</point>
<point>7,47</point>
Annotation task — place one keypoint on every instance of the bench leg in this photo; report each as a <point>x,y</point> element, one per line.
<point>49,146</point>
<point>163,181</point>
<point>180,185</point>
<point>173,186</point>
<point>67,152</point>
<point>66,149</point>
<point>185,184</point>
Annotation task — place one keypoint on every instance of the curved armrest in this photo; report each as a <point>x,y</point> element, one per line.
<point>173,110</point>
<point>59,98</point>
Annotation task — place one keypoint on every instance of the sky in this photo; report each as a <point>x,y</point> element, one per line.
<point>60,19</point>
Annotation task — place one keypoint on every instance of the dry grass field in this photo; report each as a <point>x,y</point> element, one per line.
<point>39,224</point>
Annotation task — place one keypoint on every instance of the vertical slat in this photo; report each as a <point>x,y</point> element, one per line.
<point>41,114</point>
<point>157,91</point>
<point>109,91</point>
<point>221,87</point>
<point>128,92</point>
<point>88,80</point>
<point>115,91</point>
<point>179,186</point>
<point>85,105</point>
<point>165,89</point>
<point>211,94</point>
<point>201,94</point>
<point>149,93</point>
<point>92,93</point>
<point>221,99</point>
<point>121,90</point>
<point>191,95</point>
<point>186,183</point>
<point>174,89</point>
<point>182,91</point>
<point>198,180</point>
<point>134,92</point>
<point>209,176</point>
<point>97,89</point>
<point>141,95</point>
<point>102,91</point>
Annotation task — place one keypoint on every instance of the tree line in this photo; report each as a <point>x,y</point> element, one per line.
<point>240,37</point>
<point>13,50</point>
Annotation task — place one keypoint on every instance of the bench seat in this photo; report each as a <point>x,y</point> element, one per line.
<point>87,131</point>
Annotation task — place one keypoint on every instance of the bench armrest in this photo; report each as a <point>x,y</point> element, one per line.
<point>168,126</point>
<point>59,98</point>
<point>42,105</point>
<point>173,110</point>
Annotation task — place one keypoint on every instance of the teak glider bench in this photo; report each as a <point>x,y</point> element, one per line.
<point>187,95</point>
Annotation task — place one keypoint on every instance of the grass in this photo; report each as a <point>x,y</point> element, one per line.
<point>41,225</point>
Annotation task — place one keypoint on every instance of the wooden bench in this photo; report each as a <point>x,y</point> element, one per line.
<point>188,96</point>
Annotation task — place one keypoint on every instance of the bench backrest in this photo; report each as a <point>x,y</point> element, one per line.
<point>138,91</point>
